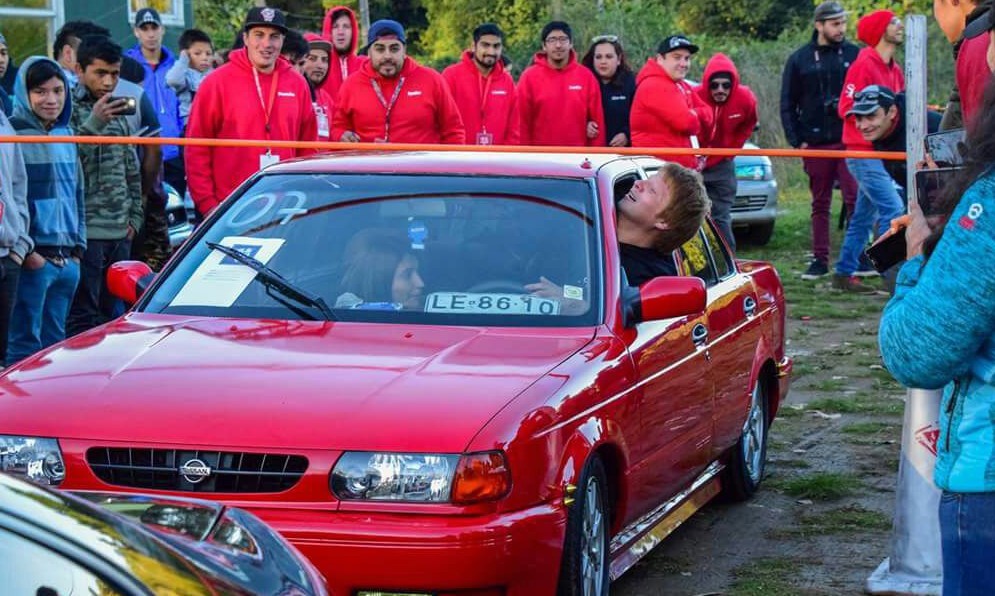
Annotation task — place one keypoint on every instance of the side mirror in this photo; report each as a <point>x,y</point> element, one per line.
<point>128,279</point>
<point>668,297</point>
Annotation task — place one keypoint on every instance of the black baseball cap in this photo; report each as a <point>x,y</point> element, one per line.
<point>870,98</point>
<point>265,16</point>
<point>676,42</point>
<point>146,16</point>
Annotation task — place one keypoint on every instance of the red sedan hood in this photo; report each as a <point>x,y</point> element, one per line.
<point>252,384</point>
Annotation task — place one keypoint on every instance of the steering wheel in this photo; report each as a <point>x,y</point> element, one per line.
<point>502,286</point>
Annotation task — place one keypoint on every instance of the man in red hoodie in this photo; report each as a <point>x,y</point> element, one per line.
<point>256,95</point>
<point>394,99</point>
<point>342,30</point>
<point>877,197</point>
<point>734,115</point>
<point>314,67</point>
<point>559,100</point>
<point>485,91</point>
<point>666,111</point>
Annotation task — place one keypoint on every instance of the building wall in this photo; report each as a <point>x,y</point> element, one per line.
<point>113,14</point>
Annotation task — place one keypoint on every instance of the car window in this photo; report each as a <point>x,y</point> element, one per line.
<point>504,251</point>
<point>720,256</point>
<point>29,568</point>
<point>697,261</point>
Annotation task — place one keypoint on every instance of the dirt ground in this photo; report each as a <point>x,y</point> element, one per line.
<point>821,521</point>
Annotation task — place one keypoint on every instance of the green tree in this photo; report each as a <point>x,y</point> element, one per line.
<point>221,19</point>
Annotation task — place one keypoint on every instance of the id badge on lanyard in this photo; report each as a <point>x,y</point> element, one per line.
<point>322,116</point>
<point>484,137</point>
<point>269,158</point>
<point>388,107</point>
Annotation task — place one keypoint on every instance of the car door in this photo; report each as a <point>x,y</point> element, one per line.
<point>675,403</point>
<point>733,333</point>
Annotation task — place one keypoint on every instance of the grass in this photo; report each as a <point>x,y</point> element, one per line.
<point>765,577</point>
<point>869,428</point>
<point>819,486</point>
<point>845,520</point>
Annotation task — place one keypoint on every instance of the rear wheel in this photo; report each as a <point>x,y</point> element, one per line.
<point>584,571</point>
<point>749,457</point>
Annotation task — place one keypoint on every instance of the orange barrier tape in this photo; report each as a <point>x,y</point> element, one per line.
<point>329,146</point>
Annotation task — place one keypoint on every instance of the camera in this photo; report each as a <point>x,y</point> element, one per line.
<point>130,105</point>
<point>831,105</point>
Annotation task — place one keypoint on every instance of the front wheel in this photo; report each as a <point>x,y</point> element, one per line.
<point>584,571</point>
<point>749,457</point>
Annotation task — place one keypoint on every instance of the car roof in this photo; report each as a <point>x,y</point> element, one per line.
<point>567,165</point>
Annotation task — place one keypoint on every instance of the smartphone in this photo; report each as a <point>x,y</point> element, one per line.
<point>130,105</point>
<point>887,251</point>
<point>947,148</point>
<point>930,185</point>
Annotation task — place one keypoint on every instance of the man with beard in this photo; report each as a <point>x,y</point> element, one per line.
<point>559,99</point>
<point>810,93</point>
<point>314,67</point>
<point>394,99</point>
<point>877,198</point>
<point>341,29</point>
<point>485,91</point>
<point>734,111</point>
<point>256,95</point>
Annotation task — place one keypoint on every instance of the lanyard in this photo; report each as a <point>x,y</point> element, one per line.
<point>484,84</point>
<point>388,107</point>
<point>344,66</point>
<point>267,110</point>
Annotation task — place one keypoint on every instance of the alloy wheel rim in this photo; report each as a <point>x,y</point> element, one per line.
<point>753,437</point>
<point>592,541</point>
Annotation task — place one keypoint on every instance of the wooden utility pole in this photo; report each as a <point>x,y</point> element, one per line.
<point>364,19</point>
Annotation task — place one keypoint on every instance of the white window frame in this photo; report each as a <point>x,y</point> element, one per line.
<point>56,16</point>
<point>174,18</point>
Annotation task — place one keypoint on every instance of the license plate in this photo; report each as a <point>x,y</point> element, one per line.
<point>490,304</point>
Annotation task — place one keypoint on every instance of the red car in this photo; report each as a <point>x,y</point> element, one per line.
<point>346,349</point>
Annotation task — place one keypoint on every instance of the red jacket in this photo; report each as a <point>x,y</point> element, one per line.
<point>556,104</point>
<point>667,113</point>
<point>340,66</point>
<point>733,121</point>
<point>972,75</point>
<point>424,113</point>
<point>868,69</point>
<point>498,114</point>
<point>228,106</point>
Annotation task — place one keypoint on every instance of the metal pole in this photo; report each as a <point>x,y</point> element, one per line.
<point>915,564</point>
<point>364,19</point>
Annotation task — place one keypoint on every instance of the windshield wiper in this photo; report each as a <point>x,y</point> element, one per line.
<point>276,282</point>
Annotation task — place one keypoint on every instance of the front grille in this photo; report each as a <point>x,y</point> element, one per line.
<point>230,472</point>
<point>742,204</point>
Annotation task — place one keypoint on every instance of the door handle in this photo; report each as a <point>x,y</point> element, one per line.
<point>750,306</point>
<point>699,334</point>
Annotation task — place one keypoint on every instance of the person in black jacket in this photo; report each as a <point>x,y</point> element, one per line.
<point>810,92</point>
<point>606,59</point>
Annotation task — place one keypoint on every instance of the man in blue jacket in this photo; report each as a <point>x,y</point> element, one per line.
<point>157,60</point>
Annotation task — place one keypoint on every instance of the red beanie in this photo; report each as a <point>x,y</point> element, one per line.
<point>871,28</point>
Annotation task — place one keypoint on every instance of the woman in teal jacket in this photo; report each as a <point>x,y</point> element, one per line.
<point>938,331</point>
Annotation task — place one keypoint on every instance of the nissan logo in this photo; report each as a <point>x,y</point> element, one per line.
<point>194,471</point>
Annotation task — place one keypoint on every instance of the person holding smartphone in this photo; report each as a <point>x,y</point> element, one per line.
<point>938,332</point>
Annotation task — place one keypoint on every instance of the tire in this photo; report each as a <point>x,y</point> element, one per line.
<point>748,460</point>
<point>584,570</point>
<point>760,234</point>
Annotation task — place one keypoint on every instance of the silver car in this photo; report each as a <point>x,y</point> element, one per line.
<point>180,215</point>
<point>755,209</point>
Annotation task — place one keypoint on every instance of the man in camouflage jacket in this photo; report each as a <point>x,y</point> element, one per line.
<point>113,181</point>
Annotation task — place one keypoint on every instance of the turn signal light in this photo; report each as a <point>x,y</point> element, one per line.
<point>481,477</point>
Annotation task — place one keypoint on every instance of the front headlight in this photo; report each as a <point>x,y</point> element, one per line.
<point>32,458</point>
<point>754,172</point>
<point>394,477</point>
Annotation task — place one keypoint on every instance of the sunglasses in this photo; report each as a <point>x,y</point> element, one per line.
<point>716,85</point>
<point>870,96</point>
<point>605,38</point>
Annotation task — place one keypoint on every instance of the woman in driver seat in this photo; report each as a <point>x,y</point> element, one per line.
<point>380,272</point>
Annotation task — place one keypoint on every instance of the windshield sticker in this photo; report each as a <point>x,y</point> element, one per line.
<point>220,279</point>
<point>573,292</point>
<point>490,304</point>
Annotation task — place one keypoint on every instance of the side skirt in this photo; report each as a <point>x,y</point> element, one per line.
<point>640,537</point>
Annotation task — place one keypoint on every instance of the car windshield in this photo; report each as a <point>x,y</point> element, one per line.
<point>432,249</point>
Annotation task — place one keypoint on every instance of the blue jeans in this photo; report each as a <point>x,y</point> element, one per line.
<point>877,199</point>
<point>41,308</point>
<point>967,535</point>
